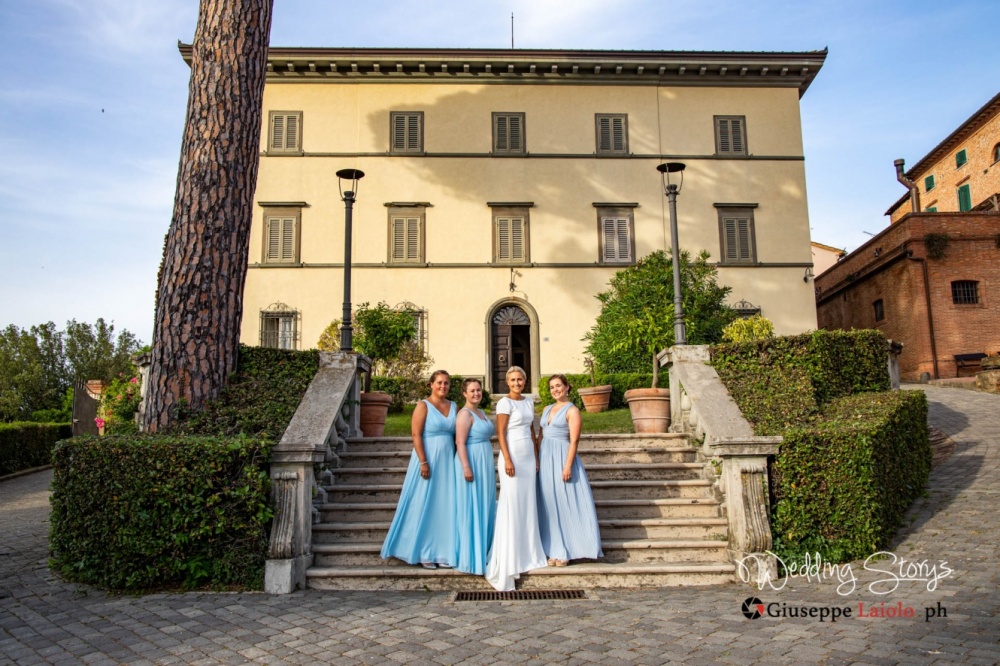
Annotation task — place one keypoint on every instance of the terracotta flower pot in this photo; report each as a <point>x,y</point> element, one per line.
<point>650,409</point>
<point>374,408</point>
<point>595,398</point>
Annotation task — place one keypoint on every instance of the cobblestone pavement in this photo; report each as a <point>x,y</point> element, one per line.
<point>44,620</point>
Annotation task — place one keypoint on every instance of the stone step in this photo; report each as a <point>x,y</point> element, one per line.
<point>602,490</point>
<point>616,471</point>
<point>587,441</point>
<point>595,456</point>
<point>578,575</point>
<point>357,512</point>
<point>614,530</point>
<point>368,553</point>
<point>673,507</point>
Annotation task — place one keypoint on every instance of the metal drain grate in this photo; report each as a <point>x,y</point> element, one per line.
<point>521,595</point>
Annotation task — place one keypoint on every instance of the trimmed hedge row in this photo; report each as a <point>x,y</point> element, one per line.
<point>620,382</point>
<point>843,483</point>
<point>25,445</point>
<point>137,512</point>
<point>782,381</point>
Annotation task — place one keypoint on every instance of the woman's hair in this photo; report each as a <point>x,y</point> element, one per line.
<point>434,375</point>
<point>562,378</point>
<point>516,368</point>
<point>470,380</point>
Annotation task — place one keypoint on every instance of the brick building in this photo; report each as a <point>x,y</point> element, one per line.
<point>931,281</point>
<point>962,173</point>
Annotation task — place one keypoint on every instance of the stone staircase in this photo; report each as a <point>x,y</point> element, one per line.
<point>660,521</point>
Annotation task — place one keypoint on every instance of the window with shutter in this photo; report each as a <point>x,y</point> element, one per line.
<point>407,131</point>
<point>508,133</point>
<point>961,157</point>
<point>730,135</point>
<point>616,242</point>
<point>285,132</point>
<point>510,236</point>
<point>281,236</point>
<point>736,233</point>
<point>406,234</point>
<point>612,133</point>
<point>964,198</point>
<point>929,183</point>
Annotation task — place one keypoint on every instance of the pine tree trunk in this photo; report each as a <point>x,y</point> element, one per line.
<point>199,303</point>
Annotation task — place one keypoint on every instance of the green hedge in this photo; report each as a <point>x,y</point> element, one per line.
<point>261,397</point>
<point>620,382</point>
<point>783,381</point>
<point>25,445</point>
<point>138,512</point>
<point>843,483</point>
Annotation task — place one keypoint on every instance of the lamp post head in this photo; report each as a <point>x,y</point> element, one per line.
<point>668,168</point>
<point>352,175</point>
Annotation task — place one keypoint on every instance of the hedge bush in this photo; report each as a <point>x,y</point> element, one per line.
<point>25,445</point>
<point>842,483</point>
<point>261,397</point>
<point>781,381</point>
<point>620,382</point>
<point>138,512</point>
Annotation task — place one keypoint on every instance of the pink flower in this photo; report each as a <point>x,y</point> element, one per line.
<point>134,380</point>
<point>99,422</point>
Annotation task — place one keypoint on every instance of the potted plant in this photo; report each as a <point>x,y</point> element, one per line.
<point>595,398</point>
<point>381,334</point>
<point>636,322</point>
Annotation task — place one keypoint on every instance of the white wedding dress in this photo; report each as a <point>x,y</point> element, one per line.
<point>517,543</point>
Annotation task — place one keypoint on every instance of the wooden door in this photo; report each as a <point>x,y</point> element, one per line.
<point>507,321</point>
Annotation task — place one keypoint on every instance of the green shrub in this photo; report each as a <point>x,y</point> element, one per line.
<point>119,403</point>
<point>620,382</point>
<point>748,329</point>
<point>135,512</point>
<point>836,363</point>
<point>843,483</point>
<point>25,445</point>
<point>261,397</point>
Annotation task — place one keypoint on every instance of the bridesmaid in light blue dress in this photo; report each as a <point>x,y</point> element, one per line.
<point>423,529</point>
<point>475,482</point>
<point>567,518</point>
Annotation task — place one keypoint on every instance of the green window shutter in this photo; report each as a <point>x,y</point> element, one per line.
<point>929,183</point>
<point>964,198</point>
<point>931,209</point>
<point>961,158</point>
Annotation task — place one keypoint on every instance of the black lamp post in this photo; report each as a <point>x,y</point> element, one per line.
<point>672,190</point>
<point>348,197</point>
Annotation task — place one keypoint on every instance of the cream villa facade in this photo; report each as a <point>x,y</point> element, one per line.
<point>504,188</point>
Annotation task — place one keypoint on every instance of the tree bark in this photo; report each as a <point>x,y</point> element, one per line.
<point>199,302</point>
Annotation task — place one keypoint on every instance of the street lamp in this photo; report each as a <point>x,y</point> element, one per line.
<point>672,190</point>
<point>352,176</point>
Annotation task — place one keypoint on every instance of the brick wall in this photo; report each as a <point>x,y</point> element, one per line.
<point>891,267</point>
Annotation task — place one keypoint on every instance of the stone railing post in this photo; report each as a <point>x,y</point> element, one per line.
<point>142,362</point>
<point>306,442</point>
<point>895,349</point>
<point>703,408</point>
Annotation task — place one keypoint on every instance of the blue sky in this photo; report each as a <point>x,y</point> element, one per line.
<point>93,94</point>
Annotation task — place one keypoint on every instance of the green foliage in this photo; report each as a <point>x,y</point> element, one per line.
<point>843,482</point>
<point>119,403</point>
<point>37,365</point>
<point>381,333</point>
<point>620,382</point>
<point>329,339</point>
<point>937,245</point>
<point>748,329</point>
<point>785,380</point>
<point>637,312</point>
<point>136,512</point>
<point>261,397</point>
<point>27,445</point>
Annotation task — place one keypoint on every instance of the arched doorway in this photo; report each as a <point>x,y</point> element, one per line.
<point>510,344</point>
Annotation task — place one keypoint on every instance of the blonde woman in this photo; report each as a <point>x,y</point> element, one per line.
<point>517,543</point>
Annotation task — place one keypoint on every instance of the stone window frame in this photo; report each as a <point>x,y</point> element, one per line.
<point>405,212</point>
<point>733,213</point>
<point>607,212</point>
<point>287,327</point>
<point>512,212</point>
<point>604,128</point>
<point>288,236</point>
<point>731,136</point>
<point>412,136</point>
<point>284,133</point>
<point>509,119</point>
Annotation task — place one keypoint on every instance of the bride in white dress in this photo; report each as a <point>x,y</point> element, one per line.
<point>517,543</point>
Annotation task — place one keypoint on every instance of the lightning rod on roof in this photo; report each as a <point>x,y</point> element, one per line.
<point>512,30</point>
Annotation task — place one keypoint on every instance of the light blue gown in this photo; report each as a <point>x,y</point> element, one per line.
<point>423,529</point>
<point>567,518</point>
<point>476,501</point>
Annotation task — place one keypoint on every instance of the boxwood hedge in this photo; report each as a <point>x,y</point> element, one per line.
<point>25,445</point>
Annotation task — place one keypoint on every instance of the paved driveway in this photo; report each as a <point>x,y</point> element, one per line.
<point>43,620</point>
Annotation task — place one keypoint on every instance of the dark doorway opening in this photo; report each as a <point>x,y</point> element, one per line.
<point>510,344</point>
